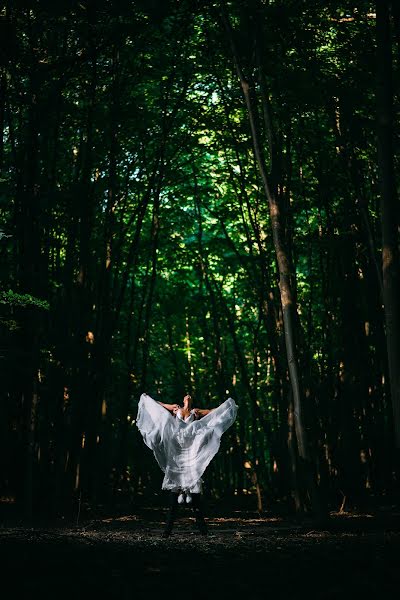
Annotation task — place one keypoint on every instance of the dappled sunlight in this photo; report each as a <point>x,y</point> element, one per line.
<point>259,520</point>
<point>124,519</point>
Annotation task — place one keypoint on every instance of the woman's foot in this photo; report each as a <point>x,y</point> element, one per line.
<point>181,498</point>
<point>188,498</point>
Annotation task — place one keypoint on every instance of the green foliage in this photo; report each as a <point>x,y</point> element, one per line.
<point>13,299</point>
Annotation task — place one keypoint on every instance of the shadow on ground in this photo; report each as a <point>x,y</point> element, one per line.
<point>244,556</point>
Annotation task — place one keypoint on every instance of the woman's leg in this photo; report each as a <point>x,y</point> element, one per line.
<point>173,504</point>
<point>197,504</point>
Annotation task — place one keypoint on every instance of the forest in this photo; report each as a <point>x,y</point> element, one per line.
<point>200,197</point>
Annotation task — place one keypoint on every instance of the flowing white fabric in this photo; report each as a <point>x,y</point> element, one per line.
<point>183,448</point>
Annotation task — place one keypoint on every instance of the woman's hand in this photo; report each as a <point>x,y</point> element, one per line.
<point>171,407</point>
<point>202,412</point>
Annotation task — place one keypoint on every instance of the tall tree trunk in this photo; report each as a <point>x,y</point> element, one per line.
<point>30,277</point>
<point>285,278</point>
<point>155,229</point>
<point>3,92</point>
<point>389,206</point>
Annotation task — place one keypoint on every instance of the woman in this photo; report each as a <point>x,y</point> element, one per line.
<point>184,440</point>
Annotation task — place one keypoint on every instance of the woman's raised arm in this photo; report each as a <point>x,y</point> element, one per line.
<point>171,407</point>
<point>202,412</point>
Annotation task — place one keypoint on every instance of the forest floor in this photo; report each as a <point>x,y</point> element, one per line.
<point>245,555</point>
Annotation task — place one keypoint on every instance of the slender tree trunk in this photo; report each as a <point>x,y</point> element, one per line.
<point>82,391</point>
<point>3,92</point>
<point>285,280</point>
<point>30,276</point>
<point>389,207</point>
<point>293,459</point>
<point>285,274</point>
<point>155,228</point>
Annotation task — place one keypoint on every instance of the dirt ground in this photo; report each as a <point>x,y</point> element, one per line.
<point>245,555</point>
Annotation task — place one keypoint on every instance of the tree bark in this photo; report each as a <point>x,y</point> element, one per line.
<point>389,206</point>
<point>289,310</point>
<point>281,255</point>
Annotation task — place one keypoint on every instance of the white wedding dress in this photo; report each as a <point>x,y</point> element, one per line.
<point>183,447</point>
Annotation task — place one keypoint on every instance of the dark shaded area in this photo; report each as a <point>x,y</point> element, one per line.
<point>244,555</point>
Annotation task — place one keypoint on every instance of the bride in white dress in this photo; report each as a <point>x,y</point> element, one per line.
<point>184,441</point>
